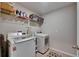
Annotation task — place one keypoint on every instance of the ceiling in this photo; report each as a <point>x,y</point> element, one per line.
<point>43,8</point>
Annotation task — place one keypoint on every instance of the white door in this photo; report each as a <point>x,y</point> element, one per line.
<point>77,48</point>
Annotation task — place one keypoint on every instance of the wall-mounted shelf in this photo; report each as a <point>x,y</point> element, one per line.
<point>8,11</point>
<point>14,18</point>
<point>7,17</point>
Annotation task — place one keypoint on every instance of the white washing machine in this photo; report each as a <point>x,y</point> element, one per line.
<point>42,43</point>
<point>21,47</point>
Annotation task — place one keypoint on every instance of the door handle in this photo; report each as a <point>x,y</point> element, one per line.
<point>75,47</point>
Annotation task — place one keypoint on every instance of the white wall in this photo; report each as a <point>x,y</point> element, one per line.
<point>61,26</point>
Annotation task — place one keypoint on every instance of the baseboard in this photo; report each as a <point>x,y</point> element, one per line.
<point>62,52</point>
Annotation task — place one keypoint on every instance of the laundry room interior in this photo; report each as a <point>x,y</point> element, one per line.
<point>38,29</point>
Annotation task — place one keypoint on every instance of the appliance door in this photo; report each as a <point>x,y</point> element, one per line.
<point>2,46</point>
<point>0,52</point>
<point>25,49</point>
